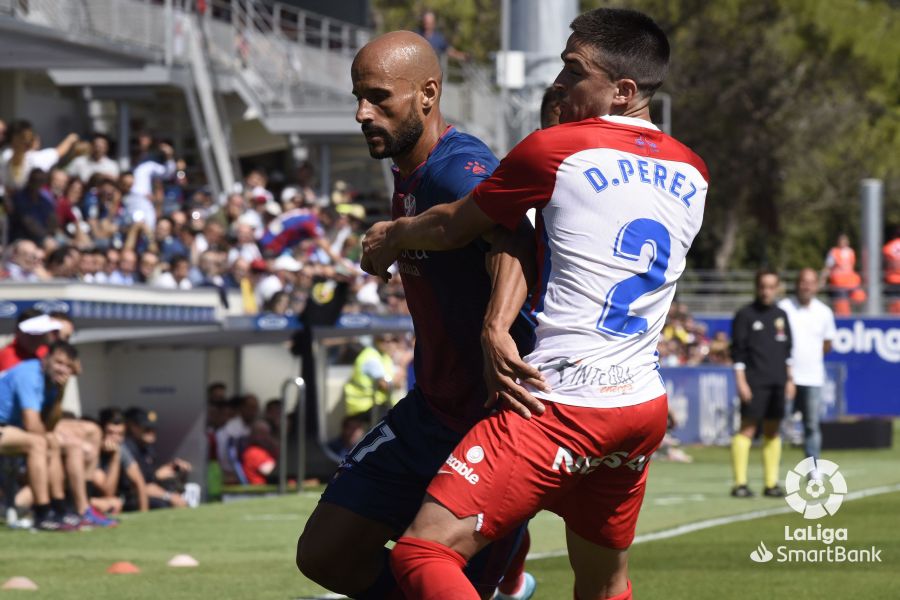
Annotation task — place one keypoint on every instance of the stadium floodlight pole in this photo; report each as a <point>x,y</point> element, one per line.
<point>666,101</point>
<point>870,192</point>
<point>170,32</point>
<point>300,384</point>
<point>503,137</point>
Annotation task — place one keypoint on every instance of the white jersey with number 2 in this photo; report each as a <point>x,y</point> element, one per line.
<point>618,205</point>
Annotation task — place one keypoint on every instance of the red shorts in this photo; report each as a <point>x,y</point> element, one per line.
<point>588,465</point>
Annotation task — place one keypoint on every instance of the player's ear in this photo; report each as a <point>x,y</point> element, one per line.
<point>626,92</point>
<point>431,92</point>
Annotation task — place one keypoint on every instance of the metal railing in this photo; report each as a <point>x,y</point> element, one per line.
<point>300,386</point>
<point>280,58</point>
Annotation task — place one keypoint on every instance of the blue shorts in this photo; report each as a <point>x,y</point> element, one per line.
<point>385,476</point>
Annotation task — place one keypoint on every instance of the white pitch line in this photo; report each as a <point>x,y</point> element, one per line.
<point>727,520</point>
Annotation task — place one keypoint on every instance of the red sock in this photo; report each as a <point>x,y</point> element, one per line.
<point>626,595</point>
<point>515,572</point>
<point>430,571</point>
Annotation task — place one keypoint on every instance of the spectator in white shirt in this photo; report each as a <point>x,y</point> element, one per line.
<point>284,273</point>
<point>246,246</point>
<point>25,157</point>
<point>98,161</point>
<point>25,262</point>
<point>813,329</point>
<point>176,278</point>
<point>125,274</point>
<point>229,436</point>
<point>139,203</point>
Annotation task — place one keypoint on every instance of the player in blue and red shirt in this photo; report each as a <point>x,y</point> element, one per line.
<point>380,485</point>
<point>618,206</point>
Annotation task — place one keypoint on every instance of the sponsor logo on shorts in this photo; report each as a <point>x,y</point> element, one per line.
<point>463,469</point>
<point>572,463</point>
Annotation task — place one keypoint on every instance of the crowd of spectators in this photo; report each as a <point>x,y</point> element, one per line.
<point>71,213</point>
<point>684,341</point>
<point>109,465</point>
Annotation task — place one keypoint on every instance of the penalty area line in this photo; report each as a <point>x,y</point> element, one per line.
<point>726,520</point>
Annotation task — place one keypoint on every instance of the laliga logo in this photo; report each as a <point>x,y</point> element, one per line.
<point>863,340</point>
<point>816,504</point>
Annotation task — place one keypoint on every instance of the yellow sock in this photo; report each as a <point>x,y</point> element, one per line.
<point>771,453</point>
<point>740,456</point>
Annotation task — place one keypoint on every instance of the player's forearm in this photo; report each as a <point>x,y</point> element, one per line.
<point>111,481</point>
<point>511,267</point>
<point>441,227</point>
<point>432,230</point>
<point>31,420</point>
<point>740,376</point>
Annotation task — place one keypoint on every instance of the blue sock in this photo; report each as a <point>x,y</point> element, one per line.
<point>385,587</point>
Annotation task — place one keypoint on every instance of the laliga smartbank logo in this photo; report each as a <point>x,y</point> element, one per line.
<point>816,503</point>
<point>815,489</point>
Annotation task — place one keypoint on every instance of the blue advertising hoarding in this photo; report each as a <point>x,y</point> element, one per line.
<point>704,403</point>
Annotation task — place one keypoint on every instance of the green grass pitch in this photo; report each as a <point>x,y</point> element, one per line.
<point>246,549</point>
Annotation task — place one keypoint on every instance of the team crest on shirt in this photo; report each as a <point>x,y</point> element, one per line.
<point>646,144</point>
<point>409,205</point>
<point>780,335</point>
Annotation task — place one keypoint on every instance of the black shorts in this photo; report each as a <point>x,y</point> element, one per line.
<point>767,403</point>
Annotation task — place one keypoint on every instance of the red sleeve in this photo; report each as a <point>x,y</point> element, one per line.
<point>254,458</point>
<point>8,358</point>
<point>524,179</point>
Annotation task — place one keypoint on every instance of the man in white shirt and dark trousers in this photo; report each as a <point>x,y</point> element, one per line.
<point>813,329</point>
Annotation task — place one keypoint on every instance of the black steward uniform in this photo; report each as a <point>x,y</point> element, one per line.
<point>761,342</point>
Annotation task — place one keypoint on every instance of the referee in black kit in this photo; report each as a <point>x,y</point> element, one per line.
<point>761,351</point>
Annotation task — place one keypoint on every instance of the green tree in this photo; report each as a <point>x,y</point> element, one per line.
<point>472,26</point>
<point>791,103</point>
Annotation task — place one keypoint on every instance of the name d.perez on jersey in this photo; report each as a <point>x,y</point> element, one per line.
<point>629,170</point>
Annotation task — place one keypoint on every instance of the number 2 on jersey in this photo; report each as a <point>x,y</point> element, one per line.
<point>630,241</point>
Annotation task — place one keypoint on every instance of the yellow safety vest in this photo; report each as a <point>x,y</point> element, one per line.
<point>360,392</point>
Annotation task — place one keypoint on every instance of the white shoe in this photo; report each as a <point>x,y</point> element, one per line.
<point>529,585</point>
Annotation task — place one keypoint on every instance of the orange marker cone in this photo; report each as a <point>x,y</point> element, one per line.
<point>122,568</point>
<point>19,583</point>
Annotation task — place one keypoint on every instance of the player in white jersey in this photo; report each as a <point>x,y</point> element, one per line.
<point>619,204</point>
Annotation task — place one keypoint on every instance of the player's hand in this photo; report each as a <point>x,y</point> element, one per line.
<point>745,393</point>
<point>506,375</point>
<point>110,446</point>
<point>378,255</point>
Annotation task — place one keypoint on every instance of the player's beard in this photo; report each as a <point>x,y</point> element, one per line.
<point>402,141</point>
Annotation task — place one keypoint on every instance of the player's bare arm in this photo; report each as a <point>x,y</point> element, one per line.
<point>441,227</point>
<point>511,264</point>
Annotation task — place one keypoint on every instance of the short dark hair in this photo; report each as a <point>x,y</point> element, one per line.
<point>111,414</point>
<point>764,272</point>
<point>64,347</point>
<point>629,45</point>
<point>57,257</point>
<point>178,259</point>
<point>17,127</point>
<point>216,385</point>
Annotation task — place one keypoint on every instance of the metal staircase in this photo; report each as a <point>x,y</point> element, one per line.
<point>289,67</point>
